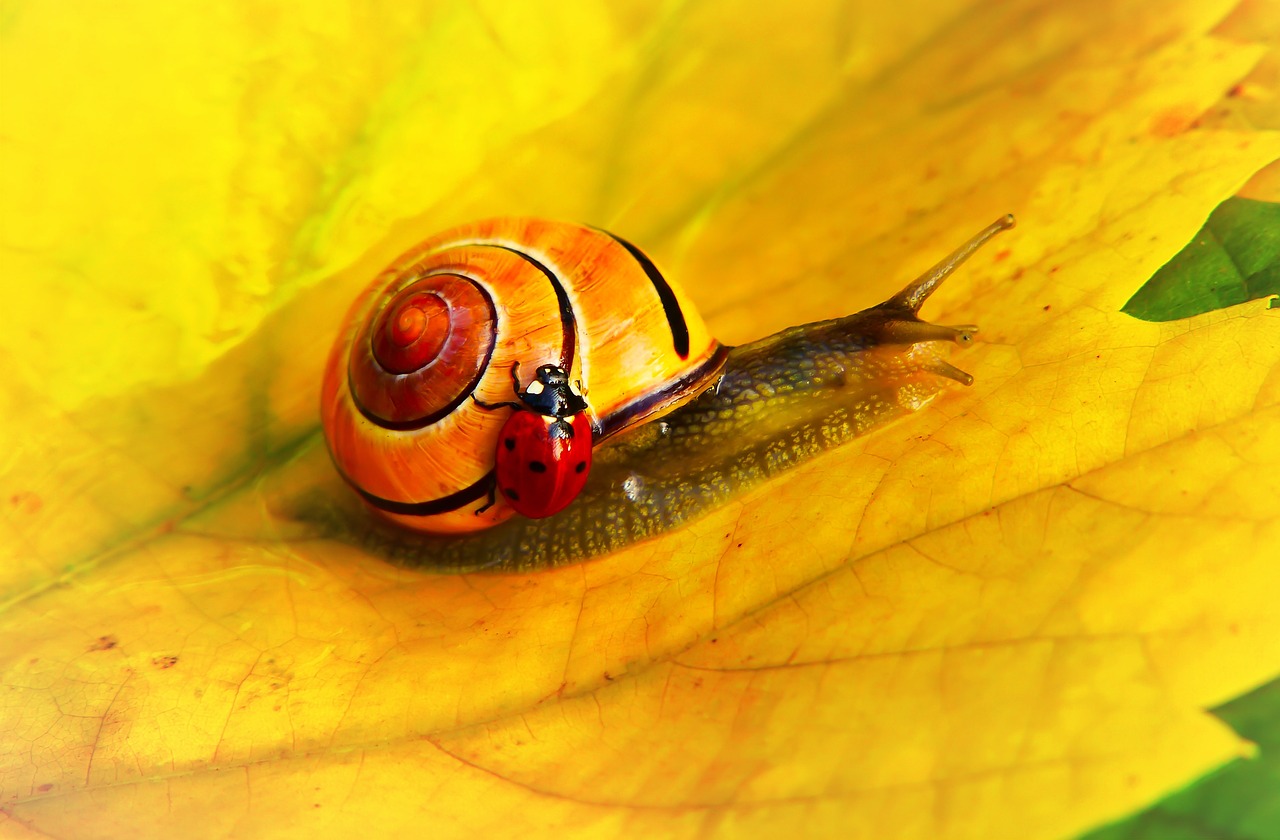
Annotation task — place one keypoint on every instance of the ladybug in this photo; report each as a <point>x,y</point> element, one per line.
<point>544,448</point>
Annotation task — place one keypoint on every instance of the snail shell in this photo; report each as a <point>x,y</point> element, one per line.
<point>448,320</point>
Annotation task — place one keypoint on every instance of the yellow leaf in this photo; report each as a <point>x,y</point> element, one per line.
<point>1000,617</point>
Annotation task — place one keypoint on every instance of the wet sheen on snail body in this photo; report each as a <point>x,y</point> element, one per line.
<point>681,423</point>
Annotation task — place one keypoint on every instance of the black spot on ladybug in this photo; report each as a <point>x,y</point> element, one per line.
<point>582,465</point>
<point>537,466</point>
<point>509,443</point>
<point>511,493</point>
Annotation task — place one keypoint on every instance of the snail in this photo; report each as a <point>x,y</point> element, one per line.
<point>425,374</point>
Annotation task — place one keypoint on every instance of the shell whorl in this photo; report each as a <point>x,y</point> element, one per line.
<point>419,356</point>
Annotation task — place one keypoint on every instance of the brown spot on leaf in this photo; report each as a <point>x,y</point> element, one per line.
<point>104,643</point>
<point>1173,121</point>
<point>164,662</point>
<point>26,502</point>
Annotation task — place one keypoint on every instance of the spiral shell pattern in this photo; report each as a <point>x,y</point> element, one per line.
<point>451,317</point>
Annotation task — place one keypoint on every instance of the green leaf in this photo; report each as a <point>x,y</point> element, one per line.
<point>1233,259</point>
<point>1240,801</point>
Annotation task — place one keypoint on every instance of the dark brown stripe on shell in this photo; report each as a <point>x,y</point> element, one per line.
<point>568,322</point>
<point>626,415</point>
<point>431,507</point>
<point>670,306</point>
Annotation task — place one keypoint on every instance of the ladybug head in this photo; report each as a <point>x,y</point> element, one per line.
<point>552,375</point>
<point>551,394</point>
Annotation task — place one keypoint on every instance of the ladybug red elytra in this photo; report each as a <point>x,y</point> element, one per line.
<point>544,448</point>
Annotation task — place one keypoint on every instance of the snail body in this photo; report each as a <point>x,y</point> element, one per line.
<point>724,419</point>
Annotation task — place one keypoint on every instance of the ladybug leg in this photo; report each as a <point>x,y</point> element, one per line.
<point>515,383</point>
<point>493,495</point>
<point>494,406</point>
<point>515,377</point>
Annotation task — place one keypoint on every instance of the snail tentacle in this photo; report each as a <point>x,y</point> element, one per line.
<point>912,332</point>
<point>914,295</point>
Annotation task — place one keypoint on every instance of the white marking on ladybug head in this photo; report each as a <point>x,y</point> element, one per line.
<point>535,387</point>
